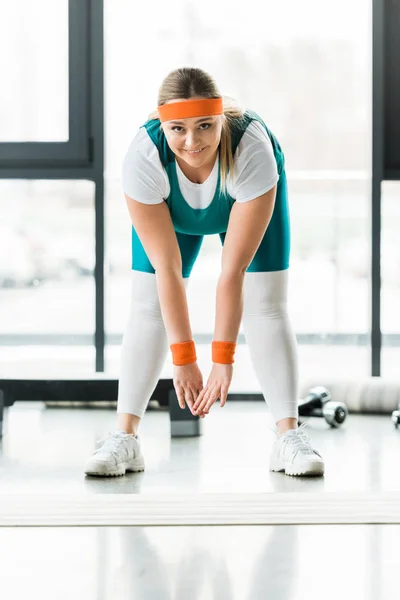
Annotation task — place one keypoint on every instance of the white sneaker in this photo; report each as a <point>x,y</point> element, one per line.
<point>120,453</point>
<point>293,454</point>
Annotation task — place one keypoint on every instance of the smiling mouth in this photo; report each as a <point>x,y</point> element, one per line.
<point>194,152</point>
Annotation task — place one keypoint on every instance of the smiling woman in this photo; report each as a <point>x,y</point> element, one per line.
<point>202,165</point>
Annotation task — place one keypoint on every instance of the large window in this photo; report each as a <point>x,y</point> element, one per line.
<point>309,77</point>
<point>304,67</point>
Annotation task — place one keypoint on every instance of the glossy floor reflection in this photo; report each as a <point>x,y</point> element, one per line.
<point>201,563</point>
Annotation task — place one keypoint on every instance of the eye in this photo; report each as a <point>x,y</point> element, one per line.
<point>176,127</point>
<point>206,125</point>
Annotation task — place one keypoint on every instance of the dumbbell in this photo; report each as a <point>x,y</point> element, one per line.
<point>396,417</point>
<point>319,403</point>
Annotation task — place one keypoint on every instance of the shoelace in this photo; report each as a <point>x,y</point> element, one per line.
<point>111,443</point>
<point>299,440</point>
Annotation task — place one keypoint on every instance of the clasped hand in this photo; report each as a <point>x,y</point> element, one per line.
<point>188,382</point>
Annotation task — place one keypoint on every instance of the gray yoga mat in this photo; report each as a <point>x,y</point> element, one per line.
<point>69,510</point>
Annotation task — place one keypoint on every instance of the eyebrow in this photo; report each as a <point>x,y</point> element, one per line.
<point>198,121</point>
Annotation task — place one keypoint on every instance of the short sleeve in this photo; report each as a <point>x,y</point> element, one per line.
<point>143,176</point>
<point>255,168</point>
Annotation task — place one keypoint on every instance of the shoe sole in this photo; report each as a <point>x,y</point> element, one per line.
<point>137,466</point>
<point>315,469</point>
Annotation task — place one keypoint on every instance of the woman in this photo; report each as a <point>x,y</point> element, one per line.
<point>201,165</point>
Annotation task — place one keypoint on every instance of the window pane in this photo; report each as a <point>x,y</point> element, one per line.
<point>34,71</point>
<point>310,79</point>
<point>330,272</point>
<point>390,264</point>
<point>46,270</point>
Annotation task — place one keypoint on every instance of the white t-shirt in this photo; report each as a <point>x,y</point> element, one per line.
<point>255,171</point>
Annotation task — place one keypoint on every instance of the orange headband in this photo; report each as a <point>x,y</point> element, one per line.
<point>191,108</point>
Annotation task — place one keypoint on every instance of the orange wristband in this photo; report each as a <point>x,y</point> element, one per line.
<point>223,352</point>
<point>183,353</point>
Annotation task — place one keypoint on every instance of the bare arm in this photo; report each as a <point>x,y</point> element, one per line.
<point>248,222</point>
<point>154,227</point>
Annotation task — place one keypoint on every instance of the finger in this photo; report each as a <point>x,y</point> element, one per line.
<point>189,399</point>
<point>190,403</point>
<point>200,397</point>
<point>206,399</point>
<point>201,402</point>
<point>224,396</point>
<point>209,404</point>
<point>213,398</point>
<point>181,396</point>
<point>195,393</point>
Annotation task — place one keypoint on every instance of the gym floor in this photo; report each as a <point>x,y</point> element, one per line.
<point>43,452</point>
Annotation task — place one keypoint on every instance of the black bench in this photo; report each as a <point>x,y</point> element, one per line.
<point>96,388</point>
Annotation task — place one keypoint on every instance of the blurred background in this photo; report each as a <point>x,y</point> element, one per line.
<point>305,68</point>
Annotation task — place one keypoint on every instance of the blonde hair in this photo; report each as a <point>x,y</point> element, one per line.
<point>189,82</point>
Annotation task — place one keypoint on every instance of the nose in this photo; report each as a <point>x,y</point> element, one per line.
<point>192,141</point>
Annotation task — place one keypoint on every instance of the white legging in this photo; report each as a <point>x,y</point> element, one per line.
<point>267,328</point>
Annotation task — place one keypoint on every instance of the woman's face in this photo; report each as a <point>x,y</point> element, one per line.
<point>195,139</point>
